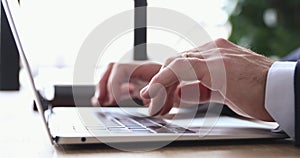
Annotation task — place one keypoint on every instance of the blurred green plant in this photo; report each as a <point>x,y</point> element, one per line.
<point>269,27</point>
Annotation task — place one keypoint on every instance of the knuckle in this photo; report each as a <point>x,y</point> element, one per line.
<point>224,51</point>
<point>169,60</point>
<point>220,50</point>
<point>178,61</point>
<point>194,61</point>
<point>221,42</point>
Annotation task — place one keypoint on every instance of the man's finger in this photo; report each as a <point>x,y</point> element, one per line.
<point>157,102</point>
<point>188,69</point>
<point>169,103</point>
<point>197,93</point>
<point>117,78</point>
<point>101,89</point>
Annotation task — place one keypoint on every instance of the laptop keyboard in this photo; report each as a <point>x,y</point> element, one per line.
<point>112,123</point>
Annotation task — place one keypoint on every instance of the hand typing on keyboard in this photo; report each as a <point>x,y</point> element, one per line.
<point>219,71</point>
<point>121,82</point>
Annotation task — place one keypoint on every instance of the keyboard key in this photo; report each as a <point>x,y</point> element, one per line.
<point>128,122</point>
<point>158,121</point>
<point>160,129</point>
<point>146,122</point>
<point>136,127</point>
<point>119,130</point>
<point>111,123</point>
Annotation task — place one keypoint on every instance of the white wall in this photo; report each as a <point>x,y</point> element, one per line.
<point>52,31</point>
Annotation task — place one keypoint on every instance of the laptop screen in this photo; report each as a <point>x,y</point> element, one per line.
<point>11,10</point>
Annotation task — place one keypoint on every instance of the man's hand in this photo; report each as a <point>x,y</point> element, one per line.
<point>123,81</point>
<point>241,86</point>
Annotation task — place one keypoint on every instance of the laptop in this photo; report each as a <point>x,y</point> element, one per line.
<point>132,125</point>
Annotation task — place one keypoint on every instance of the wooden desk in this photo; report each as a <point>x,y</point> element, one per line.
<point>22,135</point>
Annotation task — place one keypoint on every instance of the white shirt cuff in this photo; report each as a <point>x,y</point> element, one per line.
<point>280,97</point>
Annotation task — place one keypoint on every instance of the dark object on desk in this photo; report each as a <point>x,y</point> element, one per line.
<point>9,57</point>
<point>140,30</point>
<point>63,96</point>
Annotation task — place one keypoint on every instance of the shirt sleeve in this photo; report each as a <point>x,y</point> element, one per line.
<point>280,95</point>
